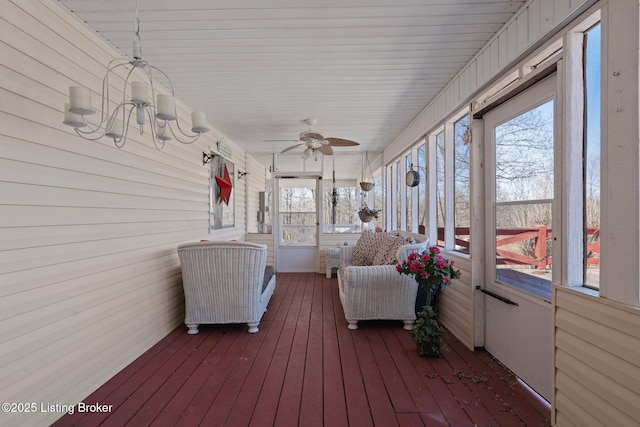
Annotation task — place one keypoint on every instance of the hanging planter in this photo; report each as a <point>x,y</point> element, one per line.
<point>368,215</point>
<point>366,185</point>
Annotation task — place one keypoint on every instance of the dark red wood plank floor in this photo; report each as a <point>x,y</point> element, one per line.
<point>304,367</point>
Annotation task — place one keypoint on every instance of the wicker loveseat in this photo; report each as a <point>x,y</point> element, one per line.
<point>225,282</point>
<point>379,291</point>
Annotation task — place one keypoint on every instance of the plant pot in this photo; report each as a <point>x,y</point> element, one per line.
<point>367,186</point>
<point>364,217</point>
<point>428,351</point>
<point>422,300</point>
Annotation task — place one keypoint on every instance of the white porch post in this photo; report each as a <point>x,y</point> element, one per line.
<point>620,242</point>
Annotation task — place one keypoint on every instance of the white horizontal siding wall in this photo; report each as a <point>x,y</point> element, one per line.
<point>456,303</point>
<point>89,274</point>
<point>597,361</point>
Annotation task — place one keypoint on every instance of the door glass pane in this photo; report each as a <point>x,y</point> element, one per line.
<point>298,216</point>
<point>524,199</point>
<point>524,156</point>
<point>440,202</point>
<point>523,246</point>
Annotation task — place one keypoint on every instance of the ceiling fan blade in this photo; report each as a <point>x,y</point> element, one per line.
<point>340,142</point>
<point>313,136</point>
<point>292,147</point>
<point>281,140</point>
<point>325,149</point>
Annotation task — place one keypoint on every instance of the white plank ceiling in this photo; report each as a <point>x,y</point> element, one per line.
<point>363,68</point>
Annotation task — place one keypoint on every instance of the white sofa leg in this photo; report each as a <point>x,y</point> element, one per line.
<point>408,325</point>
<point>193,328</point>
<point>353,324</point>
<point>253,327</point>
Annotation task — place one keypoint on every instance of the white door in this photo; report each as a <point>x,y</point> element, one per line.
<point>297,224</point>
<point>519,148</point>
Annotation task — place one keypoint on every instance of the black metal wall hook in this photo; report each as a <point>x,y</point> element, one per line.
<point>207,158</point>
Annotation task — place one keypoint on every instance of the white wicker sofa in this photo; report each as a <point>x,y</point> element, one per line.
<point>379,291</point>
<point>225,282</point>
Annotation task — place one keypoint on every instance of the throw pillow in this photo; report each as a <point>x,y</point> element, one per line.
<point>365,249</point>
<point>387,250</point>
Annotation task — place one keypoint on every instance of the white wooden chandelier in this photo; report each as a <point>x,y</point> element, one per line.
<point>115,124</point>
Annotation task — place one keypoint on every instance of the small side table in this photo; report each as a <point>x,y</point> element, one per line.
<point>332,259</point>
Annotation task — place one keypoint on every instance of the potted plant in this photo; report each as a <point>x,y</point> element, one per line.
<point>366,214</point>
<point>433,273</point>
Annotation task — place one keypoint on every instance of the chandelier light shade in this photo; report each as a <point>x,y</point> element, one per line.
<point>136,102</point>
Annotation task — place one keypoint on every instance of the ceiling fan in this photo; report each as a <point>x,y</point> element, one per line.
<point>315,142</point>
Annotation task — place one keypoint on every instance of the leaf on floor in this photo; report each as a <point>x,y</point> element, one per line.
<point>473,378</point>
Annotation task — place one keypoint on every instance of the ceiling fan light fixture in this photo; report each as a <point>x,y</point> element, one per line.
<point>306,154</point>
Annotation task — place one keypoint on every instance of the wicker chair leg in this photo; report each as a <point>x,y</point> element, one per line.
<point>408,325</point>
<point>253,327</point>
<point>193,328</point>
<point>353,324</point>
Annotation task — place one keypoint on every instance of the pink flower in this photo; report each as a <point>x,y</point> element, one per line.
<point>423,266</point>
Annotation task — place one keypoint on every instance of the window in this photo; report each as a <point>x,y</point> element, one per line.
<point>407,190</point>
<point>378,202</point>
<point>591,167</point>
<point>422,188</point>
<point>390,219</point>
<point>346,207</point>
<point>399,186</point>
<point>462,185</point>
<point>440,187</point>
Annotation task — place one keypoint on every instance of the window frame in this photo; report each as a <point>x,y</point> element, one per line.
<point>574,122</point>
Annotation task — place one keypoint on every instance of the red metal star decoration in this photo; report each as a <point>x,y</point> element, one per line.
<point>225,186</point>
